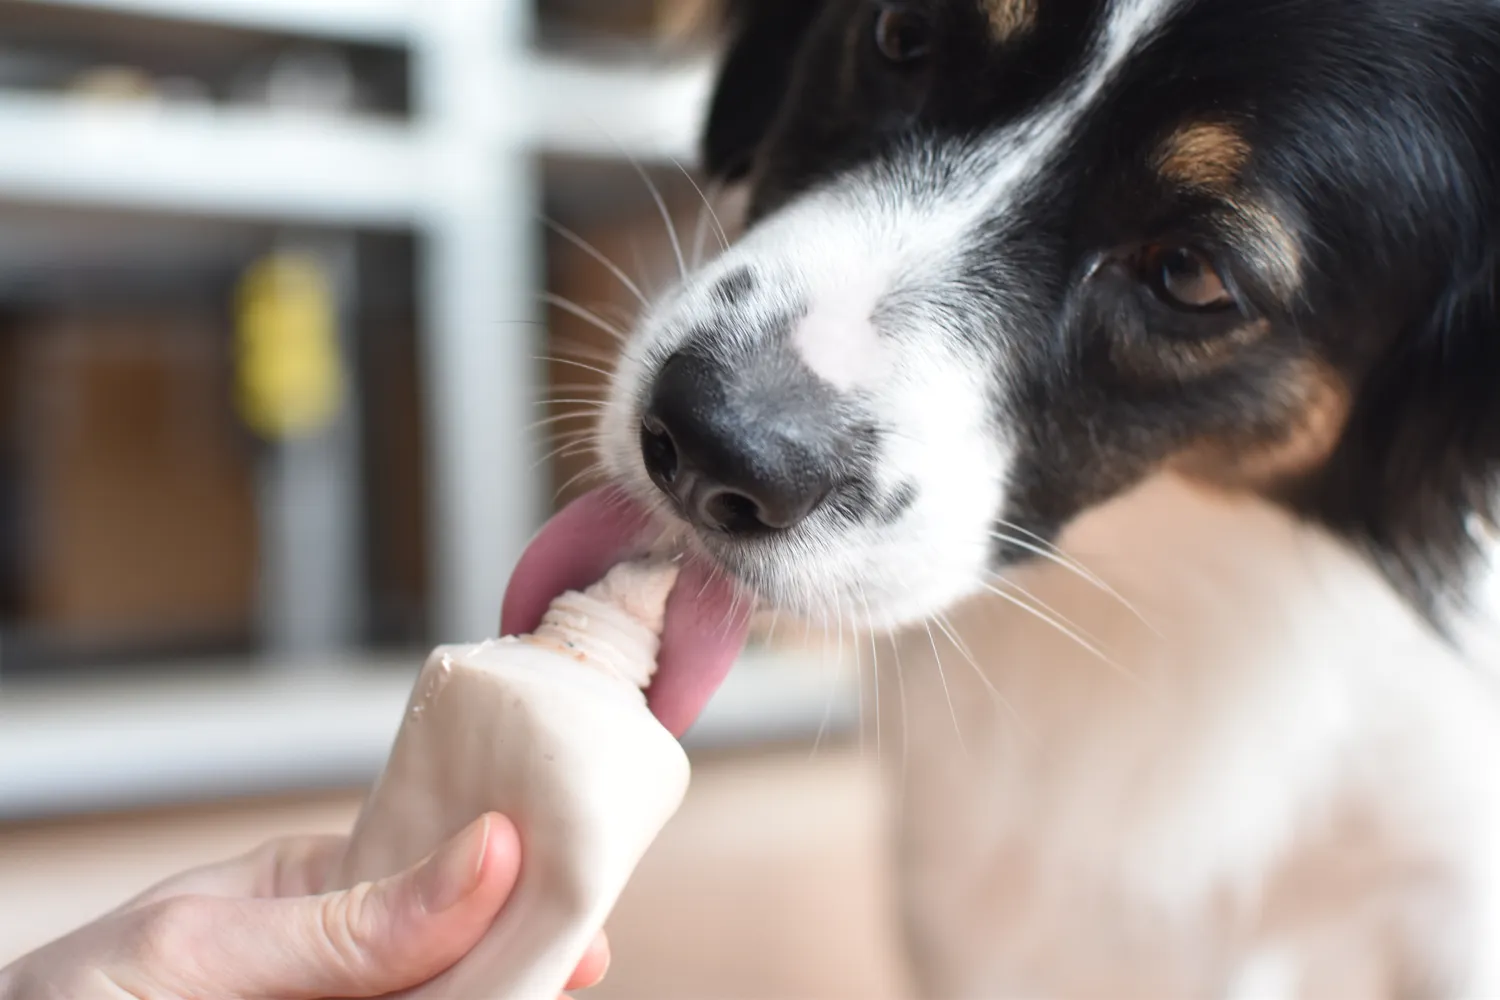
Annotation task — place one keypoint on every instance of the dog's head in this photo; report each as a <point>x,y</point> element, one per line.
<point>1008,258</point>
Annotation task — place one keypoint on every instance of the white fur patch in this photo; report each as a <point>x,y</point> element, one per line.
<point>841,345</point>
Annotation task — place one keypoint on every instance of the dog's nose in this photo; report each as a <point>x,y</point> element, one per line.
<point>738,453</point>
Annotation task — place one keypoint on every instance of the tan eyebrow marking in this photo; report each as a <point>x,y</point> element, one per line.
<point>1263,237</point>
<point>1010,19</point>
<point>1207,156</point>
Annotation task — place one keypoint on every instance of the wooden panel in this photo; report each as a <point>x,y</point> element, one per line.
<point>139,494</point>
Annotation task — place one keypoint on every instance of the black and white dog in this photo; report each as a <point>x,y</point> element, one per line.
<point>1138,363</point>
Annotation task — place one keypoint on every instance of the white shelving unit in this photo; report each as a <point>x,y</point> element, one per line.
<point>460,174</point>
<point>116,747</point>
<point>391,21</point>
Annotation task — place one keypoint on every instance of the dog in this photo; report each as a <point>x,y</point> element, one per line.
<point>1135,365</point>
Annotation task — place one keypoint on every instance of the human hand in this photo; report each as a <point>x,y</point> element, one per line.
<point>255,929</point>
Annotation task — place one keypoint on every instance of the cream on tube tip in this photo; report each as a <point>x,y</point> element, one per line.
<point>551,730</point>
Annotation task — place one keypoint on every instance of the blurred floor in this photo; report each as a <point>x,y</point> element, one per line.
<point>769,885</point>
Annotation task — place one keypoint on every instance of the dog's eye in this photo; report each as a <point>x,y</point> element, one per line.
<point>1187,279</point>
<point>903,36</point>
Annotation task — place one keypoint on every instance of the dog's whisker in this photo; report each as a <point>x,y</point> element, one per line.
<point>579,390</point>
<point>905,726</point>
<point>718,226</point>
<point>651,188</point>
<point>951,631</point>
<point>946,627</point>
<point>586,315</point>
<point>593,390</point>
<point>1082,642</point>
<point>593,469</point>
<point>601,257</point>
<point>571,449</point>
<point>558,434</point>
<point>738,599</point>
<point>583,351</point>
<point>569,362</point>
<point>700,239</point>
<point>639,259</point>
<point>835,673</point>
<point>577,434</point>
<point>1036,601</point>
<point>1051,552</point>
<point>771,628</point>
<point>666,216</point>
<point>617,500</point>
<point>566,438</point>
<point>740,605</point>
<point>581,448</point>
<point>617,314</point>
<point>875,679</point>
<point>562,418</point>
<point>595,405</point>
<point>838,609</point>
<point>701,226</point>
<point>937,660</point>
<point>1048,619</point>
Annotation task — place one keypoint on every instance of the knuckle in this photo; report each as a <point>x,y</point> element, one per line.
<point>166,935</point>
<point>272,867</point>
<point>348,925</point>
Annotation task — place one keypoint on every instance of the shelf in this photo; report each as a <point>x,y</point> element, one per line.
<point>250,163</point>
<point>221,162</point>
<point>608,111</point>
<point>99,747</point>
<point>378,21</point>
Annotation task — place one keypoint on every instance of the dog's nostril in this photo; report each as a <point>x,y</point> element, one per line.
<point>733,512</point>
<point>659,451</point>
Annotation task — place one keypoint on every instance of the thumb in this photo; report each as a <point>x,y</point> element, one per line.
<point>371,940</point>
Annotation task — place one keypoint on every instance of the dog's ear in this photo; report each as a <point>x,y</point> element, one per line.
<point>765,36</point>
<point>1417,473</point>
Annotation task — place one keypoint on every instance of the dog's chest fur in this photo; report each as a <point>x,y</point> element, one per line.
<point>1279,782</point>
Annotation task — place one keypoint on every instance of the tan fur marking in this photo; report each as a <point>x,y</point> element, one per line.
<point>1313,413</point>
<point>1010,19</point>
<point>1209,158</point>
<point>1205,156</point>
<point>1270,245</point>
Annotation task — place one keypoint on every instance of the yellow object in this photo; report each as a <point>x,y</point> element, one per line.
<point>289,380</point>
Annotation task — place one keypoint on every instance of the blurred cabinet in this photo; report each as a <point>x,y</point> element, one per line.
<point>137,494</point>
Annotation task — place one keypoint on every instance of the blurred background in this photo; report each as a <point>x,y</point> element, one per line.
<point>303,320</point>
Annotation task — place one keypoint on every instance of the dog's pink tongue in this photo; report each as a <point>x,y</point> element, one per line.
<point>705,628</point>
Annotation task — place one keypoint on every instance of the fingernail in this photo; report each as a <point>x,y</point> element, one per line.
<point>609,959</point>
<point>452,874</point>
<point>609,956</point>
<point>600,943</point>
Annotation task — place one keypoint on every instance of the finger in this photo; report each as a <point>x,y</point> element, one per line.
<point>368,941</point>
<point>594,966</point>
<point>293,866</point>
<point>296,867</point>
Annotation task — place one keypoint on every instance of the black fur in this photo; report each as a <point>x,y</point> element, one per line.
<point>1372,130</point>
